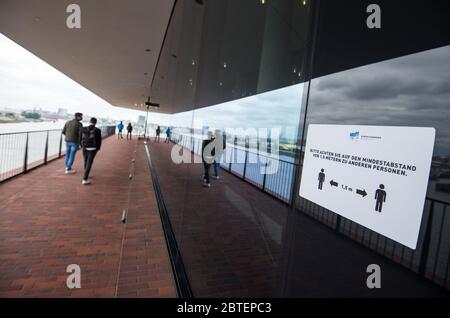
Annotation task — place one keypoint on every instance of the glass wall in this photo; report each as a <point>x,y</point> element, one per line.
<point>239,64</point>
<point>260,72</point>
<point>404,82</point>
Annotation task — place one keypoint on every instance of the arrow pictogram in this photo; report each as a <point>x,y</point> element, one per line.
<point>361,192</point>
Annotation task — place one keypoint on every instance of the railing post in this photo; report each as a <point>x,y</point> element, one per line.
<point>60,145</point>
<point>25,160</point>
<point>268,151</point>
<point>233,153</point>
<point>338,222</point>
<point>264,177</point>
<point>426,241</point>
<point>46,148</point>
<point>246,158</point>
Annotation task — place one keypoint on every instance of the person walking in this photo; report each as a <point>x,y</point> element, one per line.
<point>168,135</point>
<point>120,128</point>
<point>219,153</point>
<point>158,132</point>
<point>208,155</point>
<point>72,133</point>
<point>91,142</point>
<point>129,130</point>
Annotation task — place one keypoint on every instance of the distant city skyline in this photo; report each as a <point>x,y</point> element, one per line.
<point>27,82</point>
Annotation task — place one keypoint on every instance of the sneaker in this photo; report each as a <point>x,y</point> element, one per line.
<point>85,182</point>
<point>71,171</point>
<point>215,177</point>
<point>206,185</point>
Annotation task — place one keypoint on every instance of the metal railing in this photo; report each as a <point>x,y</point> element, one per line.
<point>23,151</point>
<point>431,259</point>
<point>247,164</point>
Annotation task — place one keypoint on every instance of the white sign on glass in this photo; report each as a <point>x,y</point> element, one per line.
<point>376,176</point>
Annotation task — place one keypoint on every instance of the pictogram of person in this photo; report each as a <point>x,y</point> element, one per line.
<point>380,196</point>
<point>321,178</point>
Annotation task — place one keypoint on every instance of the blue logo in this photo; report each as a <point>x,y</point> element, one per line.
<point>355,135</point>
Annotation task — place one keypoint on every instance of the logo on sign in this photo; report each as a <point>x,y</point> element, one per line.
<point>355,135</point>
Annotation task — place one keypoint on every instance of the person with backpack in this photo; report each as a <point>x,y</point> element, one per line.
<point>91,141</point>
<point>129,130</point>
<point>120,128</point>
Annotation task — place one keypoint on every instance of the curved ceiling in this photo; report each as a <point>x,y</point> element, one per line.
<point>114,54</point>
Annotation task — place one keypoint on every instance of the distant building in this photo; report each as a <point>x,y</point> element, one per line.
<point>62,112</point>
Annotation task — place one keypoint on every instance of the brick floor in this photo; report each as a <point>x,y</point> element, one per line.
<point>48,220</point>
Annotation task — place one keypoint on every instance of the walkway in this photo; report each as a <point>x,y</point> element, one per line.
<point>48,220</point>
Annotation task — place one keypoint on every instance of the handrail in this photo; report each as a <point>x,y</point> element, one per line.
<point>31,131</point>
<point>437,200</point>
<point>267,184</point>
<point>24,155</point>
<point>249,151</point>
<point>289,162</point>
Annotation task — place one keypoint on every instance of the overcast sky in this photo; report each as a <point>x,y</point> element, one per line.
<point>412,90</point>
<point>27,82</point>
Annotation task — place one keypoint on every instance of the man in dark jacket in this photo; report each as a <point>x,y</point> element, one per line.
<point>72,133</point>
<point>221,144</point>
<point>158,132</point>
<point>129,131</point>
<point>91,141</point>
<point>208,154</point>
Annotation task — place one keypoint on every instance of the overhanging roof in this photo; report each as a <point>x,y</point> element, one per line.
<point>265,52</point>
<point>107,55</point>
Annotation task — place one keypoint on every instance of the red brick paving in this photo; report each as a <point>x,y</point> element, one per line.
<point>48,220</point>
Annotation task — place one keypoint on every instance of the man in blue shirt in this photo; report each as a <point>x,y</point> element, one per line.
<point>120,128</point>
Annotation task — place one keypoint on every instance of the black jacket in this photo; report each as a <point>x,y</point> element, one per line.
<point>207,158</point>
<point>91,137</point>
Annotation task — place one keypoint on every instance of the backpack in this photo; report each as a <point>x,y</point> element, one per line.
<point>88,138</point>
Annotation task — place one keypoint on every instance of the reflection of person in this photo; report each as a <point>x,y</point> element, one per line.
<point>158,132</point>
<point>168,135</point>
<point>129,131</point>
<point>219,152</point>
<point>380,196</point>
<point>321,178</point>
<point>72,133</point>
<point>207,158</point>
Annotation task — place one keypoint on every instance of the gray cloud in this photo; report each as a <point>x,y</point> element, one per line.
<point>28,82</point>
<point>413,90</point>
